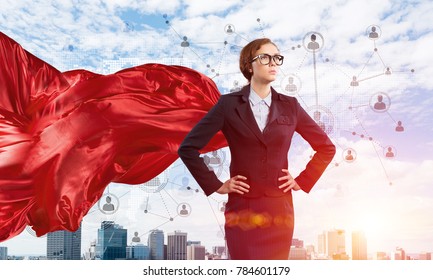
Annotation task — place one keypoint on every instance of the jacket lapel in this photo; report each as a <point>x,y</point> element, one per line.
<point>277,108</point>
<point>246,114</point>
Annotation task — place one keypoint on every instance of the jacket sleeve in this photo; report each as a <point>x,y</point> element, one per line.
<point>197,138</point>
<point>321,144</point>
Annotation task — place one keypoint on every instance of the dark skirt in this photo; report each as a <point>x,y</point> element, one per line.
<point>259,228</point>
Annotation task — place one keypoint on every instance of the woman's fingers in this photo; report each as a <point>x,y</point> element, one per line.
<point>237,185</point>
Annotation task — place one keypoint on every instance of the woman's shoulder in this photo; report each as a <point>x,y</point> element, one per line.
<point>284,98</point>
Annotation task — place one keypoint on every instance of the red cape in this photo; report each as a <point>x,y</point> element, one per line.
<point>65,136</point>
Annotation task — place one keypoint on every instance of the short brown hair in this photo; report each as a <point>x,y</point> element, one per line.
<point>247,54</point>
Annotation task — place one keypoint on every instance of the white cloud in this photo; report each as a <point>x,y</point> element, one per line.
<point>202,8</point>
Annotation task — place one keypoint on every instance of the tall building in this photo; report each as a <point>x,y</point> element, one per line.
<point>91,251</point>
<point>381,256</point>
<point>359,246</point>
<point>297,243</point>
<point>321,244</point>
<point>425,256</point>
<point>156,244</point>
<point>111,244</point>
<point>218,250</point>
<point>399,254</point>
<point>297,250</point>
<point>138,252</point>
<point>64,245</point>
<point>195,251</point>
<point>176,245</point>
<point>297,253</point>
<point>3,253</point>
<point>336,244</point>
<point>311,252</point>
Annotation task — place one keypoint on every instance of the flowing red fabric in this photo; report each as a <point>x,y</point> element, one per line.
<point>65,136</point>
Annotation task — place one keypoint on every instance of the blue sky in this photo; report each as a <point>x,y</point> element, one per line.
<point>107,37</point>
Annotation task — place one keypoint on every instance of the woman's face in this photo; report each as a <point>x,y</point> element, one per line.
<point>262,73</point>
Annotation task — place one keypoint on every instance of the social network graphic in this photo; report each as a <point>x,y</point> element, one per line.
<point>173,200</point>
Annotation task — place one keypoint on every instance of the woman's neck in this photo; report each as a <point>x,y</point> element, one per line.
<point>262,90</point>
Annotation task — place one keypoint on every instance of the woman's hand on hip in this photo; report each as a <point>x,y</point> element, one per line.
<point>290,183</point>
<point>234,184</point>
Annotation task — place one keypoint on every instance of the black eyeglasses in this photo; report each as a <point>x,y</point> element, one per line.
<point>265,59</point>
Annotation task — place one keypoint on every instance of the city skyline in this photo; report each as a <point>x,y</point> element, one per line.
<point>331,244</point>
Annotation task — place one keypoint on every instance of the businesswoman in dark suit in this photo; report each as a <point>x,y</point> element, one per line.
<point>258,124</point>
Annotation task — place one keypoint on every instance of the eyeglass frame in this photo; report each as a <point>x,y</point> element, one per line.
<point>271,57</point>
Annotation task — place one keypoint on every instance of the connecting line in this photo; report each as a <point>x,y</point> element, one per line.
<point>368,60</point>
<point>170,196</point>
<point>302,63</point>
<point>216,218</point>
<point>315,78</point>
<point>384,65</point>
<point>175,31</point>
<point>161,216</point>
<point>261,28</point>
<point>371,77</point>
<point>387,112</point>
<point>381,163</point>
<point>248,40</point>
<point>378,156</point>
<point>198,55</point>
<point>181,59</point>
<point>147,202</point>
<point>351,97</point>
<point>159,225</point>
<point>165,205</point>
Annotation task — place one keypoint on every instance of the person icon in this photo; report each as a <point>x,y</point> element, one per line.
<point>373,34</point>
<point>184,211</point>
<point>223,206</point>
<point>206,160</point>
<point>354,82</point>
<point>136,238</point>
<point>215,159</point>
<point>236,86</point>
<point>349,156</point>
<point>291,87</point>
<point>185,42</point>
<point>229,29</point>
<point>379,105</point>
<point>108,206</point>
<point>313,45</point>
<point>317,117</point>
<point>399,127</point>
<point>388,71</point>
<point>389,153</point>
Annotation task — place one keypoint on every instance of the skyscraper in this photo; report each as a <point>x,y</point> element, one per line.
<point>176,245</point>
<point>64,245</point>
<point>336,244</point>
<point>195,251</point>
<point>359,246</point>
<point>138,252</point>
<point>111,244</point>
<point>321,244</point>
<point>3,253</point>
<point>399,254</point>
<point>156,244</point>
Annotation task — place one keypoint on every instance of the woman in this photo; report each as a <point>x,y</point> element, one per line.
<point>258,124</point>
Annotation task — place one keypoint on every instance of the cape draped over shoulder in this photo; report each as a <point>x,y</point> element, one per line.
<point>64,136</point>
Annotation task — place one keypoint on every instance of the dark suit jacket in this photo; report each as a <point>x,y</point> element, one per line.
<point>256,155</point>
